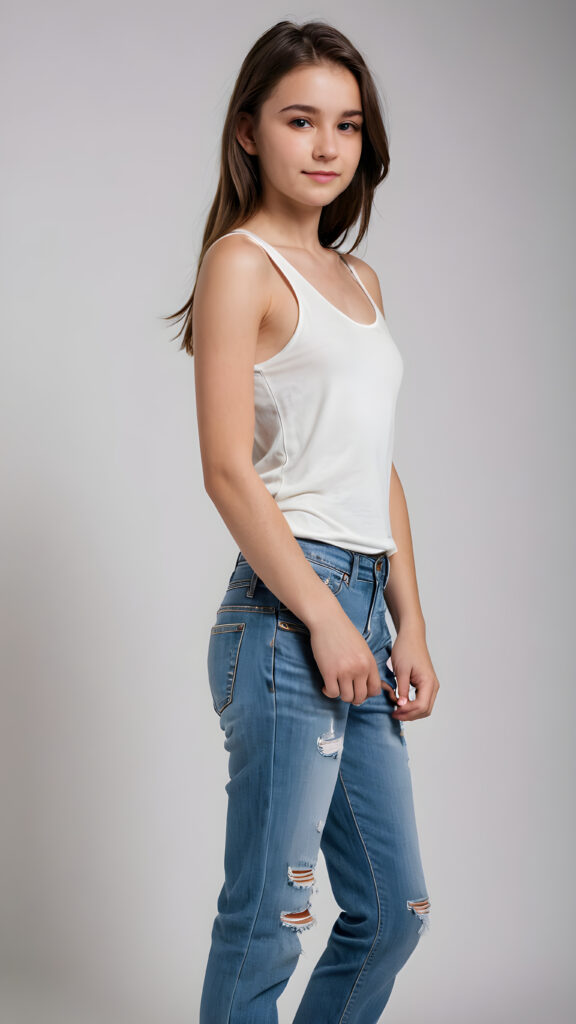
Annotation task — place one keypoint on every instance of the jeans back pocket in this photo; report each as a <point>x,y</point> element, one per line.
<point>223,653</point>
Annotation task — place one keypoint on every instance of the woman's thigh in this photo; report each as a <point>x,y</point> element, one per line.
<point>285,738</point>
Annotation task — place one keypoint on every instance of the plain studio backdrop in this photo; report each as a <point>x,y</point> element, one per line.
<point>114,559</point>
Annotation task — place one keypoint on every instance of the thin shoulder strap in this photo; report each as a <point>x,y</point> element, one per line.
<point>290,272</point>
<point>358,278</point>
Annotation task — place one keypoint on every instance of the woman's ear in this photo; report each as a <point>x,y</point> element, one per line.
<point>245,132</point>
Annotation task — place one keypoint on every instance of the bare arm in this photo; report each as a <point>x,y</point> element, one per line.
<point>231,300</point>
<point>402,596</point>
<point>410,658</point>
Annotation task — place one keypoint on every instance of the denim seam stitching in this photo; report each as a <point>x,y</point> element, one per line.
<point>237,627</point>
<point>269,609</point>
<point>327,565</point>
<point>341,1020</point>
<point>294,627</point>
<point>267,838</point>
<point>344,573</point>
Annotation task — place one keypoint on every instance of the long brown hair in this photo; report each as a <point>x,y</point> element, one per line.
<point>283,47</point>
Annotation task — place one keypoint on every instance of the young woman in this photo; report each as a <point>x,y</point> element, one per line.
<point>297,377</point>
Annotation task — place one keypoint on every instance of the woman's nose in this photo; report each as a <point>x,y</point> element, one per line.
<point>325,146</point>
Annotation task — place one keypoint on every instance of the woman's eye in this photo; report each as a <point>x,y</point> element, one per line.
<point>304,120</point>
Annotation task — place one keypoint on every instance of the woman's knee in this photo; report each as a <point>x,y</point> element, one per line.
<point>403,926</point>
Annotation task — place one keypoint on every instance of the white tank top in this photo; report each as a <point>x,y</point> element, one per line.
<point>324,420</point>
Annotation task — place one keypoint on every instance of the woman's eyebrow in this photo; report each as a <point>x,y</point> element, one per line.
<point>314,110</point>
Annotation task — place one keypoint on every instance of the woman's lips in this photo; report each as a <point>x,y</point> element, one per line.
<point>321,176</point>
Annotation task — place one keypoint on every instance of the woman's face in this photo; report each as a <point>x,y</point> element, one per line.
<point>292,143</point>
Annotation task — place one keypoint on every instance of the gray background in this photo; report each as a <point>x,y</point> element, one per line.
<point>112,766</point>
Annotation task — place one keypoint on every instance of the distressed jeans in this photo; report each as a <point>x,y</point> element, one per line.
<point>309,772</point>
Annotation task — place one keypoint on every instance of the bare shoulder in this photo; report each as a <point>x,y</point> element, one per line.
<point>369,278</point>
<point>231,296</point>
<point>234,264</point>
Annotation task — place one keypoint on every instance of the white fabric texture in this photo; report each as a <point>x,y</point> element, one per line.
<point>324,419</point>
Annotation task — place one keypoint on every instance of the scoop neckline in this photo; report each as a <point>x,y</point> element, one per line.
<point>314,289</point>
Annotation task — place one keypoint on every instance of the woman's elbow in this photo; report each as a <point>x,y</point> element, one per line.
<point>221,475</point>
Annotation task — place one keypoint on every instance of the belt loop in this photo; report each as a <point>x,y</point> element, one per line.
<point>252,585</point>
<point>386,575</point>
<point>377,580</point>
<point>355,566</point>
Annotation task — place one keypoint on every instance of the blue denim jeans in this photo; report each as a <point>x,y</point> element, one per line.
<point>309,772</point>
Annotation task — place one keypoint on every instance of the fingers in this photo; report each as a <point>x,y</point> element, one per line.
<point>357,690</point>
<point>422,704</point>
<point>331,688</point>
<point>411,711</point>
<point>405,707</point>
<point>363,686</point>
<point>352,691</point>
<point>374,683</point>
<point>402,685</point>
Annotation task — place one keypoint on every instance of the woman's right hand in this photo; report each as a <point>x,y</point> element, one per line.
<point>345,661</point>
